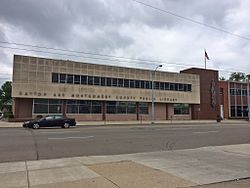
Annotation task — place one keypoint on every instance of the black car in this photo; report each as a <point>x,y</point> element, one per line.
<point>50,121</point>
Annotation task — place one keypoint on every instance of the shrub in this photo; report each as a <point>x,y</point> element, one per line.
<point>8,115</point>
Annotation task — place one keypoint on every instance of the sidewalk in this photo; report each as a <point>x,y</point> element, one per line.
<point>143,123</point>
<point>163,169</point>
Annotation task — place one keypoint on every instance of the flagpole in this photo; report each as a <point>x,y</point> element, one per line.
<point>205,58</point>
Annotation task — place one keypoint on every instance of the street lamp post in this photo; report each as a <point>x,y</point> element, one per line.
<point>153,95</point>
<point>248,99</point>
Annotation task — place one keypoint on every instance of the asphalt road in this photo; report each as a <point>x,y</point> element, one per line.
<point>19,144</point>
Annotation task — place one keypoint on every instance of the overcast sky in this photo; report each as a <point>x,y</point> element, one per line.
<point>128,29</point>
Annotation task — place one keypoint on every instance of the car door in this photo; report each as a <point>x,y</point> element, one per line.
<point>59,120</point>
<point>49,121</point>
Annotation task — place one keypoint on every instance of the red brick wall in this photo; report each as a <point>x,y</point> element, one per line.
<point>205,110</point>
<point>223,98</point>
<point>22,108</point>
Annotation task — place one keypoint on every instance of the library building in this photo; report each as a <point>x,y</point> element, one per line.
<point>92,92</point>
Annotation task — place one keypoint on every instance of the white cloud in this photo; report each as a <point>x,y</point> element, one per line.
<point>128,29</point>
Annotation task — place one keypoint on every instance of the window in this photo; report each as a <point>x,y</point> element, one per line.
<point>90,80</point>
<point>131,107</point>
<point>181,109</point>
<point>55,78</point>
<point>120,82</point>
<point>72,107</point>
<point>143,108</point>
<point>62,78</point>
<point>96,81</point>
<point>96,107</point>
<point>167,87</point>
<point>232,91</point>
<point>48,118</point>
<point>114,82</point>
<point>221,91</point>
<point>181,87</point>
<point>41,106</point>
<point>109,80</point>
<point>137,84</point>
<point>148,85</point>
<point>55,106</point>
<point>162,85</point>
<point>84,107</point>
<point>132,83</point>
<point>176,86</point>
<point>126,83</point>
<point>103,81</point>
<point>46,106</point>
<point>84,80</point>
<point>121,107</point>
<point>70,79</point>
<point>58,117</point>
<point>172,86</point>
<point>77,79</point>
<point>111,107</point>
<point>143,84</point>
<point>156,85</point>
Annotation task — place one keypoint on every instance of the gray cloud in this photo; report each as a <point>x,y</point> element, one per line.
<point>126,28</point>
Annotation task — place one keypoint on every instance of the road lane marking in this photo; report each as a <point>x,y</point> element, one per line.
<point>204,132</point>
<point>55,132</point>
<point>72,137</point>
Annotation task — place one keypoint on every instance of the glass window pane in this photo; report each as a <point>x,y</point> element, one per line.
<point>77,79</point>
<point>90,80</point>
<point>40,108</point>
<point>167,86</point>
<point>126,83</point>
<point>96,109</point>
<point>84,109</point>
<point>55,78</point>
<point>72,109</point>
<point>114,81</point>
<point>62,78</point>
<point>84,80</point>
<point>161,85</point>
<point>55,108</point>
<point>142,84</point>
<point>137,83</point>
<point>120,82</point>
<point>109,81</point>
<point>103,81</point>
<point>96,81</point>
<point>132,83</point>
<point>70,79</point>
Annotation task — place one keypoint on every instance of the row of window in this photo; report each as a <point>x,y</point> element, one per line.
<point>238,111</point>
<point>240,92</point>
<point>181,109</point>
<point>48,106</point>
<point>117,82</point>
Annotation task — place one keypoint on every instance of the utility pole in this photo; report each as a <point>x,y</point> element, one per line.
<point>153,95</point>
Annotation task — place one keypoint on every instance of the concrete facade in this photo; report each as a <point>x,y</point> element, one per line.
<point>33,79</point>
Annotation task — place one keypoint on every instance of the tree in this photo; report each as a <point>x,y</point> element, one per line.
<point>248,77</point>
<point>222,78</point>
<point>237,76</point>
<point>5,96</point>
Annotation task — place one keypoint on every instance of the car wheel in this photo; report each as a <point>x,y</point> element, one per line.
<point>36,126</point>
<point>66,125</point>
